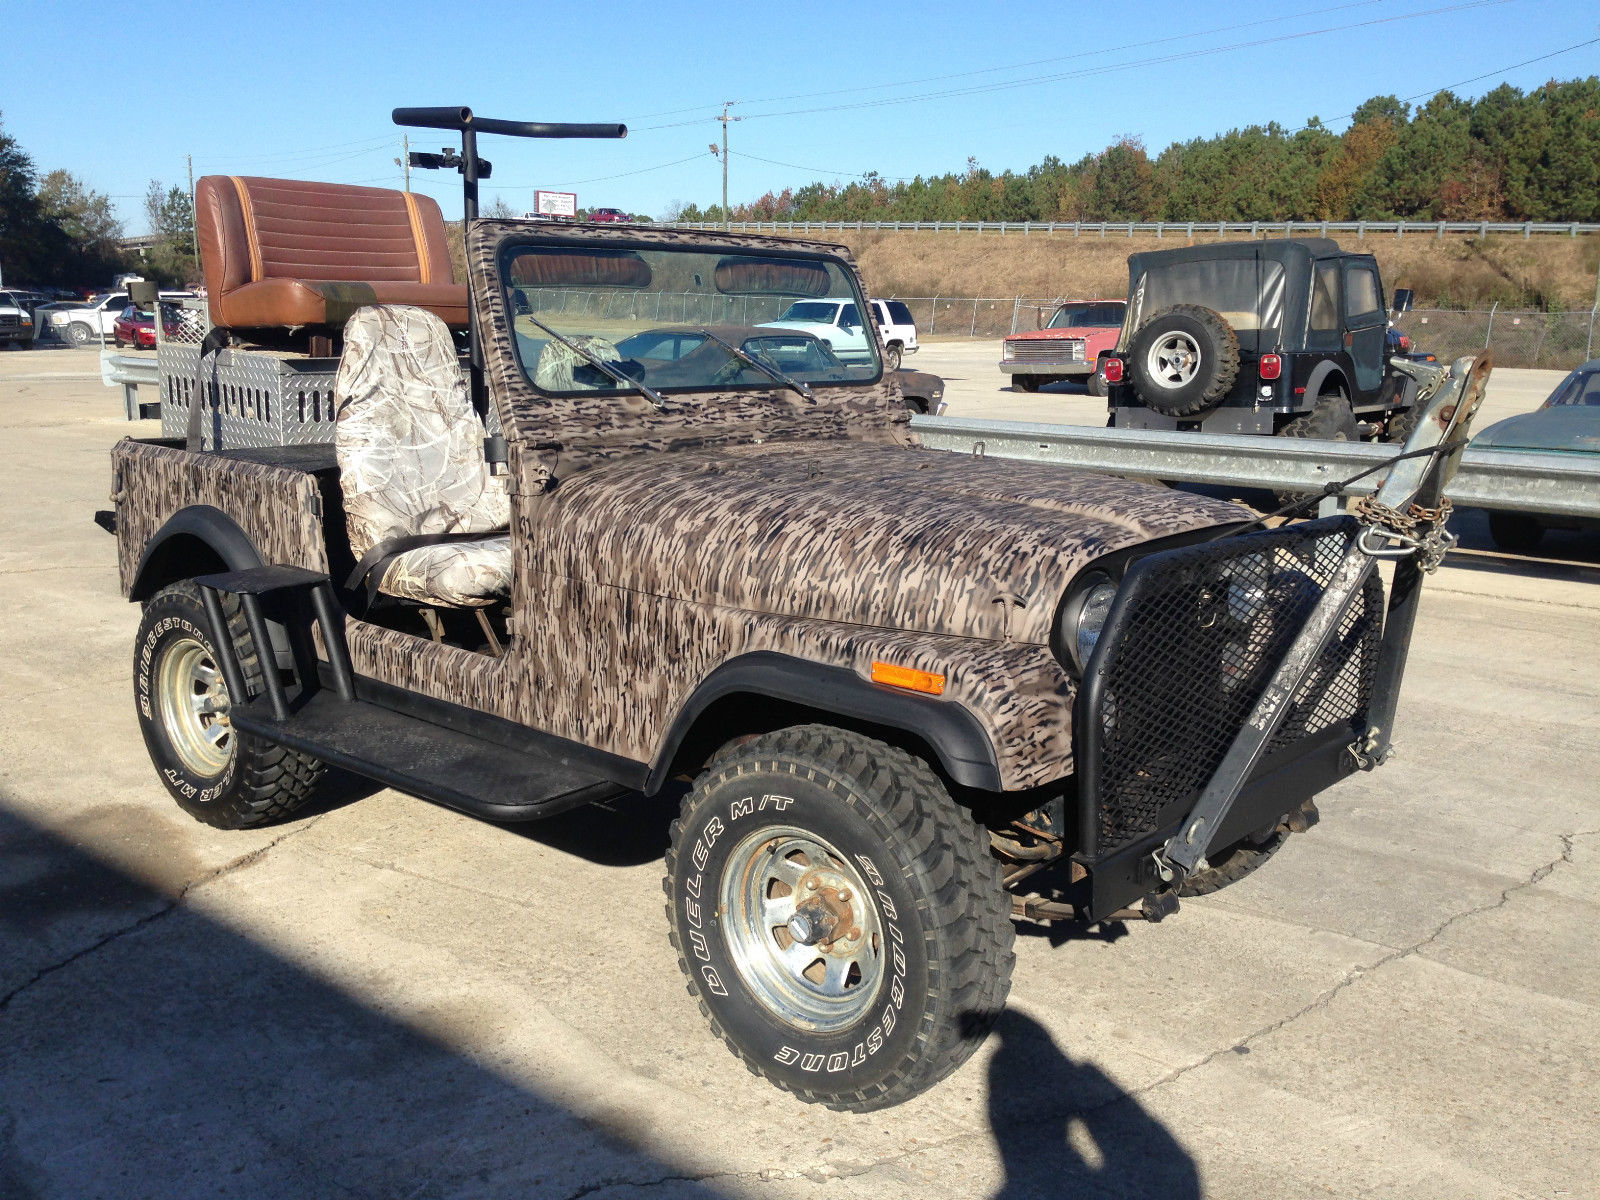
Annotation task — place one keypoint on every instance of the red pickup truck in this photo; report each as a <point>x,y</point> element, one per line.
<point>1067,347</point>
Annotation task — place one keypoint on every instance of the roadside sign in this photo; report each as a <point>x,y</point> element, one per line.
<point>555,204</point>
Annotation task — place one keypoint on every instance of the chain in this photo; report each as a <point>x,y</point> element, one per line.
<point>1419,530</point>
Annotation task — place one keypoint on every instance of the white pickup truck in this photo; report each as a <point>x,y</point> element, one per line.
<point>837,321</point>
<point>16,320</point>
<point>87,322</point>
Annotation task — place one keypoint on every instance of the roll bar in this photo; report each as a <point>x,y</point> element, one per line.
<point>460,119</point>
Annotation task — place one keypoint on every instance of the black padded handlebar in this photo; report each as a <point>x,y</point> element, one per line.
<point>461,118</point>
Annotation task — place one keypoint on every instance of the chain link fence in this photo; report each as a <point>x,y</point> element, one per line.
<point>1554,340</point>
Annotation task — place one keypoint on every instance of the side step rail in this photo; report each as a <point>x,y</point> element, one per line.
<point>449,766</point>
<point>302,596</point>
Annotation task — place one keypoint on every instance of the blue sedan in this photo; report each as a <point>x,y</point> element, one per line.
<point>1567,423</point>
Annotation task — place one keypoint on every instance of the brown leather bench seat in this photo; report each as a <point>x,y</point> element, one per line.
<point>288,253</point>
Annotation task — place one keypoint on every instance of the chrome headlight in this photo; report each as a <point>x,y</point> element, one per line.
<point>1083,617</point>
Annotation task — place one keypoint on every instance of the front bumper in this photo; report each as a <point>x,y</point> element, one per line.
<point>1074,367</point>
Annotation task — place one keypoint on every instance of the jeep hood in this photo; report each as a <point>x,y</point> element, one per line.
<point>859,533</point>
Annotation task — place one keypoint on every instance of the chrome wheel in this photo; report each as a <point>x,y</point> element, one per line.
<point>802,929</point>
<point>1173,359</point>
<point>194,707</point>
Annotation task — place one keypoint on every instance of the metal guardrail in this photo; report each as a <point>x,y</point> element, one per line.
<point>128,372</point>
<point>1524,481</point>
<point>1517,480</point>
<point>1161,228</point>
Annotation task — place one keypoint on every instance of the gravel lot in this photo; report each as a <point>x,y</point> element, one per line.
<point>382,998</point>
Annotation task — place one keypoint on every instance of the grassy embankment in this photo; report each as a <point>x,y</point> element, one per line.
<point>1541,272</point>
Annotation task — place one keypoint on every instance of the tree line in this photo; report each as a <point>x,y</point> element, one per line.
<point>56,232</point>
<point>1507,156</point>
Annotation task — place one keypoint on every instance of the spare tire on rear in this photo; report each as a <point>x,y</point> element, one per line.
<point>1184,360</point>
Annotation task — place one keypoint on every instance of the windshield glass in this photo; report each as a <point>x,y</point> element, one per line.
<point>1087,316</point>
<point>1580,389</point>
<point>656,314</point>
<point>1248,292</point>
<point>821,314</point>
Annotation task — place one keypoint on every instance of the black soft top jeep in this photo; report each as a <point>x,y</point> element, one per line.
<point>1256,337</point>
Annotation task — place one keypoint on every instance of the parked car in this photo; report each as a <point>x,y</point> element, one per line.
<point>923,391</point>
<point>604,215</point>
<point>1272,337</point>
<point>137,327</point>
<point>16,319</point>
<point>836,320</point>
<point>1400,345</point>
<point>83,323</point>
<point>683,356</point>
<point>87,322</point>
<point>1566,424</point>
<point>1067,347</point>
<point>897,330</point>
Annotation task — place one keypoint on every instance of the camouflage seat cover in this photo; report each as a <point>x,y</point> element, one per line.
<point>554,372</point>
<point>410,453</point>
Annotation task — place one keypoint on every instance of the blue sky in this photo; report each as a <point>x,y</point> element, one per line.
<point>304,90</point>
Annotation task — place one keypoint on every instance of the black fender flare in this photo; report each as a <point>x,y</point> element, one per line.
<point>210,525</point>
<point>1319,376</point>
<point>963,747</point>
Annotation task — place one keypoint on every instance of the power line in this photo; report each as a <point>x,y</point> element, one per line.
<point>308,151</point>
<point>1527,62</point>
<point>1037,62</point>
<point>515,187</point>
<point>1087,72</point>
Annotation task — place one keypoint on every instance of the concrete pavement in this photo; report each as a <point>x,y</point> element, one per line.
<point>382,998</point>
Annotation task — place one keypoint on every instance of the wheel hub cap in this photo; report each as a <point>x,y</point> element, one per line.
<point>802,929</point>
<point>194,704</point>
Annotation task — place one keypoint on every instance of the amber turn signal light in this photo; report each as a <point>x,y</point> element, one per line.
<point>908,677</point>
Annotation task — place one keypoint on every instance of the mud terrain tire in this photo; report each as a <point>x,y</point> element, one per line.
<point>1183,360</point>
<point>1330,421</point>
<point>248,781</point>
<point>932,962</point>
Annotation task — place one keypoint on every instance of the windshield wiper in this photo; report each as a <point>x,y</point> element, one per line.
<point>601,365</point>
<point>772,372</point>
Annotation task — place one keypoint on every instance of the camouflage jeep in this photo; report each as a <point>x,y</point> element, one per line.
<point>899,726</point>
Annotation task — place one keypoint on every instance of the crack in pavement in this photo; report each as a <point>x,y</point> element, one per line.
<point>171,906</point>
<point>1355,974</point>
<point>1133,1095</point>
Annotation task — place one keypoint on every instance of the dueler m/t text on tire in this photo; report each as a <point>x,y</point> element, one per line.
<point>216,774</point>
<point>840,919</point>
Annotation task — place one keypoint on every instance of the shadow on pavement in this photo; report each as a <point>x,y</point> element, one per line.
<point>147,1050</point>
<point>1103,1143</point>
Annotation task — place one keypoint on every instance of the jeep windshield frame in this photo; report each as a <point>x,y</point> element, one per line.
<point>601,293</point>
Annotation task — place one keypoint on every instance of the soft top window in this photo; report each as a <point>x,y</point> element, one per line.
<point>1248,292</point>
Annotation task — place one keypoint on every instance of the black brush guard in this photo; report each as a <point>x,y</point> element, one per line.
<point>1236,679</point>
<point>1189,650</point>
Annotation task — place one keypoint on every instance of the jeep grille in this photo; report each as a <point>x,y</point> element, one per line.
<point>1196,635</point>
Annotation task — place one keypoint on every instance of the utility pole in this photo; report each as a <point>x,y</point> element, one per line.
<point>404,161</point>
<point>725,119</point>
<point>194,225</point>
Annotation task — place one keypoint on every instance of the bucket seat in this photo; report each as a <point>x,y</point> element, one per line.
<point>426,519</point>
